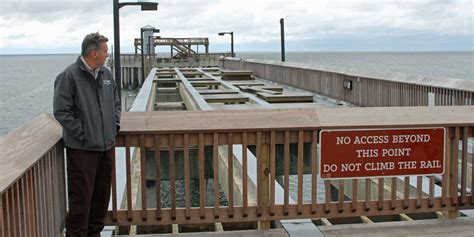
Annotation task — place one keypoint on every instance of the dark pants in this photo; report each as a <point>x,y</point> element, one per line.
<point>89,175</point>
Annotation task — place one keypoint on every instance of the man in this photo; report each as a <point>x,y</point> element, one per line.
<point>87,105</point>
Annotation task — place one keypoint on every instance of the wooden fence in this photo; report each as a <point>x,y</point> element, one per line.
<point>32,168</point>
<point>367,89</point>
<point>131,58</point>
<point>32,180</point>
<point>172,132</point>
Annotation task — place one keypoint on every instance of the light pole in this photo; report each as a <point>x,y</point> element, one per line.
<point>282,37</point>
<point>143,43</point>
<point>145,6</point>
<point>231,33</point>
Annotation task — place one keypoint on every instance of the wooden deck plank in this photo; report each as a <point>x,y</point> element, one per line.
<point>205,83</point>
<point>270,88</point>
<point>286,97</point>
<point>166,90</point>
<point>169,104</point>
<point>246,83</point>
<point>226,98</point>
<point>256,89</point>
<point>237,75</point>
<point>217,91</point>
<point>238,233</point>
<point>168,72</point>
<point>165,75</point>
<point>191,73</point>
<point>237,106</point>
<point>297,105</point>
<point>150,122</point>
<point>434,227</point>
<point>200,79</point>
<point>167,80</point>
<point>237,78</point>
<point>236,72</point>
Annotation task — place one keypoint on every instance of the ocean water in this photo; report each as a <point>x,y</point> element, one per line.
<point>27,80</point>
<point>458,65</point>
<point>27,83</point>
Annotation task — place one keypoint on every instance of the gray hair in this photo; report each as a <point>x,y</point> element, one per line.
<point>92,42</point>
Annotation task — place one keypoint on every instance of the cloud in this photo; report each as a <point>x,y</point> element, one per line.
<point>55,23</point>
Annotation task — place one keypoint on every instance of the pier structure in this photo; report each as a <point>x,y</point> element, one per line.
<point>246,137</point>
<point>179,47</point>
<point>184,52</point>
<point>181,89</point>
<point>361,88</point>
<point>132,69</point>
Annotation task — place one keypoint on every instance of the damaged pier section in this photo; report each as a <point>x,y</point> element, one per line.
<point>221,175</point>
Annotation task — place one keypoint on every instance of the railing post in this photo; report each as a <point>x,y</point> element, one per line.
<point>451,189</point>
<point>264,187</point>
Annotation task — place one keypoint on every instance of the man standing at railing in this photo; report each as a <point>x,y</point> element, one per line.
<point>87,105</point>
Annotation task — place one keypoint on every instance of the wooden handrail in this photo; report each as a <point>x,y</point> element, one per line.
<point>441,82</point>
<point>24,146</point>
<point>32,180</point>
<point>293,119</point>
<point>362,88</point>
<point>267,129</point>
<point>33,177</point>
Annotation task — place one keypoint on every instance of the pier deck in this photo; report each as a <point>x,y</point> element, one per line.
<point>462,226</point>
<point>255,86</point>
<point>439,227</point>
<point>270,143</point>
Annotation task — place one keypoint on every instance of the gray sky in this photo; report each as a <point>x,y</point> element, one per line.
<point>58,26</point>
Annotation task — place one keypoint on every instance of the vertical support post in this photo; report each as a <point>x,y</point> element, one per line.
<point>118,76</point>
<point>150,61</point>
<point>143,58</point>
<point>264,187</point>
<point>448,189</point>
<point>232,44</point>
<point>150,38</point>
<point>282,33</point>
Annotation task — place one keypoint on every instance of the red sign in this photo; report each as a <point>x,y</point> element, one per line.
<point>381,152</point>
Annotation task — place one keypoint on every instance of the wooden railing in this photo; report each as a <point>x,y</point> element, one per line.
<point>32,167</point>
<point>367,89</point>
<point>127,58</point>
<point>32,180</point>
<point>170,41</point>
<point>265,130</point>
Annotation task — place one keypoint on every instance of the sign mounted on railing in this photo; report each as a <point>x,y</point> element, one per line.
<point>381,152</point>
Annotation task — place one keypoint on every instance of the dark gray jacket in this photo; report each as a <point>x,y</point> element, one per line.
<point>88,109</point>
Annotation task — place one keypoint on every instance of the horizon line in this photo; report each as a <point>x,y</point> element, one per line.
<point>294,51</point>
